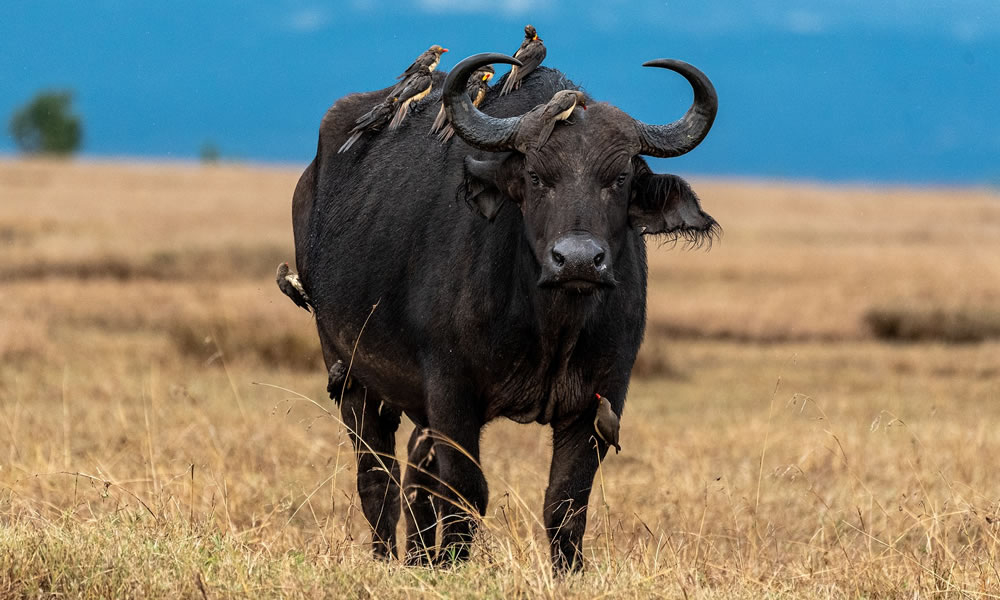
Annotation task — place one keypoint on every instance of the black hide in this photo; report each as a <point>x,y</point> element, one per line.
<point>461,332</point>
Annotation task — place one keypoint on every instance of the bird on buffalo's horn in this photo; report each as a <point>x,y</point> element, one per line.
<point>559,108</point>
<point>533,128</point>
<point>417,87</point>
<point>290,285</point>
<point>606,423</point>
<point>476,88</point>
<point>373,120</point>
<point>428,60</point>
<point>531,54</point>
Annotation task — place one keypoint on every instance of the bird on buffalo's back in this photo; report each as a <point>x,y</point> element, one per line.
<point>531,54</point>
<point>428,60</point>
<point>373,120</point>
<point>476,89</point>
<point>417,87</point>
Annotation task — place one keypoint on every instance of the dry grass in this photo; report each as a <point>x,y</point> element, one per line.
<point>772,447</point>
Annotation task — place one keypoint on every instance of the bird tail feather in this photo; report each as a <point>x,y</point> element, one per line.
<point>508,84</point>
<point>439,120</point>
<point>350,141</point>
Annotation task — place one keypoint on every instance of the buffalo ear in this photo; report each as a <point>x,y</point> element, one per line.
<point>487,183</point>
<point>666,205</point>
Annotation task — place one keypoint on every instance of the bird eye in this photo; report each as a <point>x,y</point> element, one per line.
<point>534,178</point>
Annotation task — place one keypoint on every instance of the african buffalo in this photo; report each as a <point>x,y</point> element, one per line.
<point>528,313</point>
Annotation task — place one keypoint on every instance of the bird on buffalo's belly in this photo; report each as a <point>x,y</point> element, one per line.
<point>416,89</point>
<point>476,88</point>
<point>531,54</point>
<point>290,286</point>
<point>373,120</point>
<point>606,423</point>
<point>428,60</point>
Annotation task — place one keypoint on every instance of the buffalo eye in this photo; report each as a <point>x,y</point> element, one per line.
<point>534,178</point>
<point>621,179</point>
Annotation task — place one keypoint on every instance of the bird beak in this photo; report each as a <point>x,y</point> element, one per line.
<point>444,49</point>
<point>536,37</point>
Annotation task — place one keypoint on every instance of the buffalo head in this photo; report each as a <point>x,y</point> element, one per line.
<point>583,189</point>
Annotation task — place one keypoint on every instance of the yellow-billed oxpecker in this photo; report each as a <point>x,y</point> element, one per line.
<point>478,84</point>
<point>531,54</point>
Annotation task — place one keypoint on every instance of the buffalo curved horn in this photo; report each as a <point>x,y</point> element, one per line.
<point>681,136</point>
<point>476,128</point>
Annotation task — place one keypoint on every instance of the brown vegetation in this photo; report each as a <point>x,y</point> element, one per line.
<point>164,429</point>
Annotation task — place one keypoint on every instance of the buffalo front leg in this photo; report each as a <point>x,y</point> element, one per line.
<point>576,454</point>
<point>372,426</point>
<point>461,491</point>
<point>419,481</point>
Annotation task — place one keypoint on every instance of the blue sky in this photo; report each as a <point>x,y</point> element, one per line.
<point>830,90</point>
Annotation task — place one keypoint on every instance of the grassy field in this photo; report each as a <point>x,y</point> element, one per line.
<point>804,422</point>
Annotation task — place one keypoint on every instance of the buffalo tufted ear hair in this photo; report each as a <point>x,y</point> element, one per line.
<point>487,183</point>
<point>666,205</point>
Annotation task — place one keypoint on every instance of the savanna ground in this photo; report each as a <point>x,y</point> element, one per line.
<point>814,414</point>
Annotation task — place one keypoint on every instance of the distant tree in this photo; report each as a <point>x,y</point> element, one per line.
<point>209,152</point>
<point>47,125</point>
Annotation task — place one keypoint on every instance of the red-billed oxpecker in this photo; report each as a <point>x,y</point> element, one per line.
<point>416,89</point>
<point>429,60</point>
<point>478,84</point>
<point>531,54</point>
<point>606,423</point>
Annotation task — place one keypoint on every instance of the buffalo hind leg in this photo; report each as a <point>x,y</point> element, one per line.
<point>419,480</point>
<point>461,490</point>
<point>576,454</point>
<point>372,427</point>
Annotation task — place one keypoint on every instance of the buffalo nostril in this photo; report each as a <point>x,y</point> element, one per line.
<point>559,258</point>
<point>598,259</point>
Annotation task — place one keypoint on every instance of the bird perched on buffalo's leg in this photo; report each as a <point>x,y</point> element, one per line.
<point>428,60</point>
<point>478,84</point>
<point>337,381</point>
<point>416,88</point>
<point>531,54</point>
<point>373,120</point>
<point>290,285</point>
<point>606,423</point>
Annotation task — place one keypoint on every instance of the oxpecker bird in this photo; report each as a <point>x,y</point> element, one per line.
<point>531,54</point>
<point>373,120</point>
<point>417,87</point>
<point>535,126</point>
<point>428,60</point>
<point>476,89</point>
<point>290,285</point>
<point>606,423</point>
<point>559,108</point>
